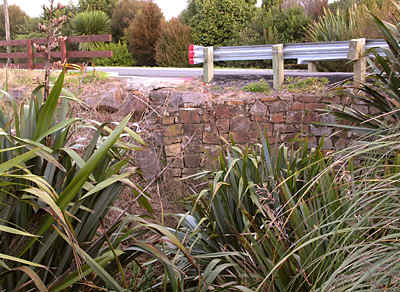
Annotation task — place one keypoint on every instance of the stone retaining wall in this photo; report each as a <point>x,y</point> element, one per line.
<point>192,124</point>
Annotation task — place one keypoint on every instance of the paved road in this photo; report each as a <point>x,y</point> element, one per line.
<point>219,73</point>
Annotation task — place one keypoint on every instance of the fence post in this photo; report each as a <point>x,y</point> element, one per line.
<point>30,54</point>
<point>208,67</point>
<point>63,49</point>
<point>312,67</point>
<point>357,54</point>
<point>277,66</point>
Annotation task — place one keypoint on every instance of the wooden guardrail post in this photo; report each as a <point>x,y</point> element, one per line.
<point>30,54</point>
<point>357,54</point>
<point>63,49</point>
<point>278,66</point>
<point>312,67</point>
<point>208,66</point>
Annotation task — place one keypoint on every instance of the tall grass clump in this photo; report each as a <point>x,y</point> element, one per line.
<point>55,196</point>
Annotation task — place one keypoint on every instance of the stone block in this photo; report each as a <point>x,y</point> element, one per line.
<point>259,110</point>
<point>167,120</point>
<point>267,99</point>
<point>173,149</point>
<point>189,171</point>
<point>175,162</point>
<point>313,106</point>
<point>193,129</point>
<point>223,125</point>
<point>222,111</point>
<point>278,106</point>
<point>320,131</point>
<point>148,162</point>
<point>174,172</point>
<point>294,117</point>
<point>277,118</point>
<point>192,160</point>
<point>297,106</point>
<point>172,140</point>
<point>240,129</point>
<point>190,116</point>
<point>173,130</point>
<point>159,96</point>
<point>211,134</point>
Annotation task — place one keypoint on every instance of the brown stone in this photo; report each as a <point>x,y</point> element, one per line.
<point>189,171</point>
<point>173,149</point>
<point>172,140</point>
<point>173,130</point>
<point>167,120</point>
<point>294,117</point>
<point>311,117</point>
<point>268,98</point>
<point>222,111</point>
<point>192,129</point>
<point>210,134</point>
<point>148,162</point>
<point>320,131</point>
<point>174,172</point>
<point>297,106</point>
<point>175,162</point>
<point>223,125</point>
<point>159,96</point>
<point>190,116</point>
<point>192,160</point>
<point>136,103</point>
<point>240,129</point>
<point>278,118</point>
<point>278,106</point>
<point>313,106</point>
<point>259,109</point>
<point>309,99</point>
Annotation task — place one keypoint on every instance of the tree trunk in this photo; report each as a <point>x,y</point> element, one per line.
<point>7,26</point>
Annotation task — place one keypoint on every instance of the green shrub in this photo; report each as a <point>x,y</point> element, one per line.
<point>172,45</point>
<point>121,55</point>
<point>286,26</point>
<point>218,22</point>
<point>260,86</point>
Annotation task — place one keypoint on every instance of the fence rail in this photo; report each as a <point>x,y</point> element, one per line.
<point>30,54</point>
<point>304,53</point>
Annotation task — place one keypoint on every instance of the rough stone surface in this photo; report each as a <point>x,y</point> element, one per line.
<point>110,101</point>
<point>148,162</point>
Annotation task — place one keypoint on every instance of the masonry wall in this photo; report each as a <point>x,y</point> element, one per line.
<point>192,124</point>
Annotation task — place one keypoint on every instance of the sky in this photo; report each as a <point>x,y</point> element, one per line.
<point>170,8</point>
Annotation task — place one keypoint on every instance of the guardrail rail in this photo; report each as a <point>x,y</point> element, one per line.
<point>304,53</point>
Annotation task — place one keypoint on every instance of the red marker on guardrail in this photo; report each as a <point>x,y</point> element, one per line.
<point>191,54</point>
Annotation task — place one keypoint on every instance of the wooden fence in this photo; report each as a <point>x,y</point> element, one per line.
<point>63,54</point>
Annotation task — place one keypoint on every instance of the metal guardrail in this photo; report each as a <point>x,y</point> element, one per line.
<point>353,50</point>
<point>303,52</point>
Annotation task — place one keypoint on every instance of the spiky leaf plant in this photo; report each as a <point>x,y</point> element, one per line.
<point>37,138</point>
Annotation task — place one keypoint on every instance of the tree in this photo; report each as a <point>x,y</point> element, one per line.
<point>172,45</point>
<point>17,20</point>
<point>102,5</point>
<point>143,33</point>
<point>218,22</point>
<point>123,14</point>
